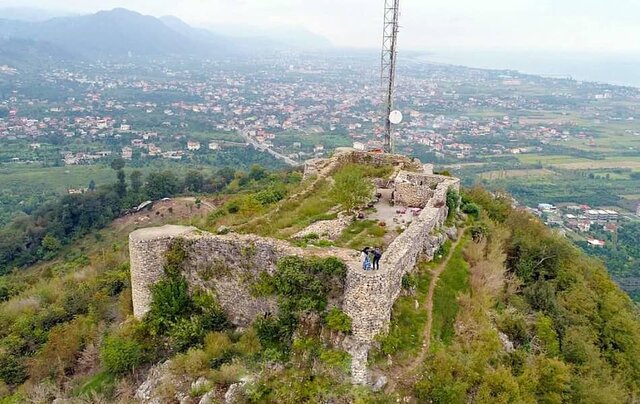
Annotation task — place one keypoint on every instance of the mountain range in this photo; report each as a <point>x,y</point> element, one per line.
<point>121,32</point>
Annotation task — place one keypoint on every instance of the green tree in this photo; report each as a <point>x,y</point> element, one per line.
<point>50,243</point>
<point>161,185</point>
<point>118,164</point>
<point>121,186</point>
<point>453,201</point>
<point>257,172</point>
<point>136,180</point>
<point>194,181</point>
<point>351,188</point>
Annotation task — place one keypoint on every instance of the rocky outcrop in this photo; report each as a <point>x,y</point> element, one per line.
<point>325,229</point>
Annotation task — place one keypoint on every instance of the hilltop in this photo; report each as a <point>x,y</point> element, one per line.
<point>258,296</point>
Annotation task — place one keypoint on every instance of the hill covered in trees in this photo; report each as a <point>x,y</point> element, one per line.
<point>510,312</point>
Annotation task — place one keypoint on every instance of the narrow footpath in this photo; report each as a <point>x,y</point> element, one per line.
<point>406,375</point>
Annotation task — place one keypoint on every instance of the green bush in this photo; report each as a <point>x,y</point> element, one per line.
<point>170,301</point>
<point>409,281</point>
<point>186,333</point>
<point>453,201</point>
<point>338,320</point>
<point>472,210</point>
<point>12,370</point>
<point>120,355</point>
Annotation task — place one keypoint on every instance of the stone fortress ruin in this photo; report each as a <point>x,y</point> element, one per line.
<point>222,264</point>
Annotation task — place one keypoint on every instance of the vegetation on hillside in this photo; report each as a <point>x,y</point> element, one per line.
<point>519,314</point>
<point>538,322</point>
<point>29,239</point>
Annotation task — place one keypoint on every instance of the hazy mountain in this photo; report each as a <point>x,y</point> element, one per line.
<point>226,42</point>
<point>117,32</point>
<point>26,53</point>
<point>30,14</point>
<point>120,32</point>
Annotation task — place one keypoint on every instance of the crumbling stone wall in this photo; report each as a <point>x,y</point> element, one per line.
<point>147,248</point>
<point>416,189</point>
<point>369,296</point>
<point>344,156</point>
<point>226,265</point>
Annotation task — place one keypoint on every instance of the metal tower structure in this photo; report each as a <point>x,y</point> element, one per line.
<point>388,72</point>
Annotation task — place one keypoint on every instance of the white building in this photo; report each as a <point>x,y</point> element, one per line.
<point>214,146</point>
<point>359,146</point>
<point>193,146</point>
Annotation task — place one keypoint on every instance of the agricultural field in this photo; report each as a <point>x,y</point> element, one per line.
<point>579,163</point>
<point>501,174</point>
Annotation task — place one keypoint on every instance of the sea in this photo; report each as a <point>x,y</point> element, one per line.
<point>611,68</point>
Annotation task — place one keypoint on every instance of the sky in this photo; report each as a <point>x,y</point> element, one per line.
<point>438,25</point>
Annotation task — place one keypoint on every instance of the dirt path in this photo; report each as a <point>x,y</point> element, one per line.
<point>428,305</point>
<point>406,375</point>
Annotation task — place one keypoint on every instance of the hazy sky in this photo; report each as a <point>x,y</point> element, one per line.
<point>564,25</point>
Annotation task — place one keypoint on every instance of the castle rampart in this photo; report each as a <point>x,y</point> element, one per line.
<point>226,264</point>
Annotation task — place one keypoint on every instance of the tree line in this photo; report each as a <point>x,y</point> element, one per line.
<point>30,238</point>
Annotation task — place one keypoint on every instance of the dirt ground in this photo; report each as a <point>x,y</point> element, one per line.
<point>387,213</point>
<point>173,210</point>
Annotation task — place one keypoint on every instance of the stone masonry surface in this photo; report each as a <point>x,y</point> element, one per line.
<point>226,264</point>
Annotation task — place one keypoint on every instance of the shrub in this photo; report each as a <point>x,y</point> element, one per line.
<point>12,370</point>
<point>194,363</point>
<point>186,333</point>
<point>121,355</point>
<point>514,325</point>
<point>337,320</point>
<point>472,210</point>
<point>548,336</point>
<point>216,343</point>
<point>408,281</point>
<point>336,358</point>
<point>453,201</point>
<point>249,343</point>
<point>170,301</point>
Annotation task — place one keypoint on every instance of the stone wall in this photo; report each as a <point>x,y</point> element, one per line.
<point>369,296</point>
<point>416,189</point>
<point>226,265</point>
<point>147,249</point>
<point>343,156</point>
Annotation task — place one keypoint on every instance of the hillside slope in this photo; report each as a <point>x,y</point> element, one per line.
<point>517,315</point>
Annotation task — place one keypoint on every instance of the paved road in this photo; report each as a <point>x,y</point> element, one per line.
<point>258,146</point>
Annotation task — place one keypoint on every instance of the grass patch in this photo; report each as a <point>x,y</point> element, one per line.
<point>454,280</point>
<point>406,329</point>
<point>362,233</point>
<point>294,215</point>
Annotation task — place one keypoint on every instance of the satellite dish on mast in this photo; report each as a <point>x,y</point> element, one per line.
<point>395,117</point>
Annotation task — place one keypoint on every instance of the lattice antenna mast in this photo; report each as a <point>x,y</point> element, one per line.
<point>388,75</point>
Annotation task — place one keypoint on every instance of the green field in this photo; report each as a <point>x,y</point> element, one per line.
<point>21,178</point>
<point>579,163</point>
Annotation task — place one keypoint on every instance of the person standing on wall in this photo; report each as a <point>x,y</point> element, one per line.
<point>377,254</point>
<point>364,257</point>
